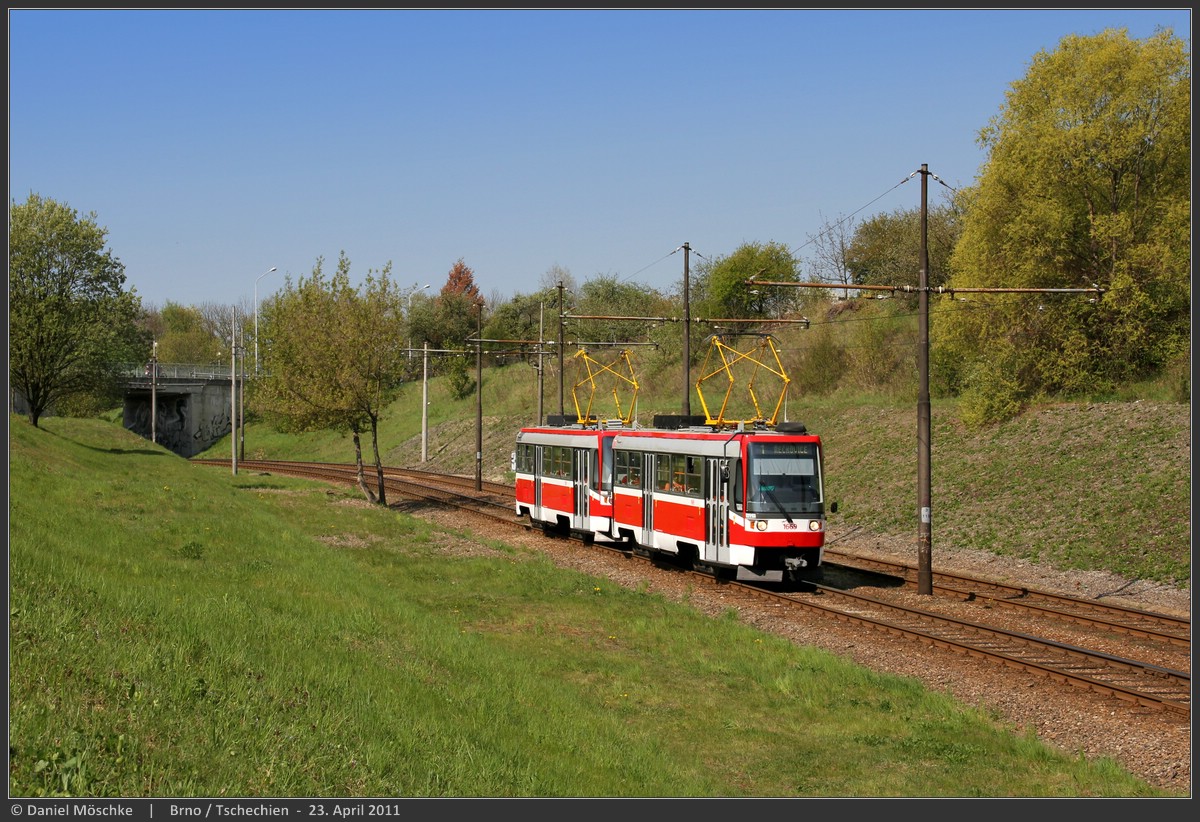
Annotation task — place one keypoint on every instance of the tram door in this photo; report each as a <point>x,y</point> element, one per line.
<point>716,506</point>
<point>582,475</point>
<point>648,475</point>
<point>538,454</point>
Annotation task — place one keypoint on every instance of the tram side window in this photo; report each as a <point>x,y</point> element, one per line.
<point>692,467</point>
<point>525,458</point>
<point>556,461</point>
<point>662,472</point>
<point>679,473</point>
<point>628,465</point>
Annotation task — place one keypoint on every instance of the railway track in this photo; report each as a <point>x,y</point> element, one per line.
<point>1134,681</point>
<point>1140,683</point>
<point>443,489</point>
<point>1163,628</point>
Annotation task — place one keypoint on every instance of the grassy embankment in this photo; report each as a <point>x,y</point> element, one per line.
<point>177,631</point>
<point>1085,485</point>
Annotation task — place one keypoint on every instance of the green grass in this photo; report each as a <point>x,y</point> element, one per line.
<point>178,631</point>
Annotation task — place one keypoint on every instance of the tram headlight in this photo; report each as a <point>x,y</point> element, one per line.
<point>761,525</point>
<point>814,525</point>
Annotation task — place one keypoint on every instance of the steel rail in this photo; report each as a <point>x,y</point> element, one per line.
<point>1166,628</point>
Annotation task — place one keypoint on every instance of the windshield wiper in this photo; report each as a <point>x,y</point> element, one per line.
<point>771,495</point>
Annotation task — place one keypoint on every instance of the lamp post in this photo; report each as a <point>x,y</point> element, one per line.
<point>408,311</point>
<point>260,276</point>
<point>154,393</point>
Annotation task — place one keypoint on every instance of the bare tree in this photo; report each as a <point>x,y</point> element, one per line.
<point>831,247</point>
<point>556,274</point>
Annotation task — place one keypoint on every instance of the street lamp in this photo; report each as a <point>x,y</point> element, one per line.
<point>409,312</point>
<point>260,276</point>
<point>154,393</point>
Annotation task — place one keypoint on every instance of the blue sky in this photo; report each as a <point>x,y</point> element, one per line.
<point>215,144</point>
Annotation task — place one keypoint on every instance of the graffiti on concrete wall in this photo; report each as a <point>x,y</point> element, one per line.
<point>210,430</point>
<point>188,418</point>
<point>170,423</point>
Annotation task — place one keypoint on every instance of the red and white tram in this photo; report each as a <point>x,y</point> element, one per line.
<point>747,502</point>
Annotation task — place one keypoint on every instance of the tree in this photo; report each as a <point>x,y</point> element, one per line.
<point>333,359</point>
<point>420,312</point>
<point>556,275</point>
<point>453,319</point>
<point>831,253</point>
<point>219,320</point>
<point>1087,182</point>
<point>459,377</point>
<point>377,323</point>
<point>886,249</point>
<point>721,289</point>
<point>461,281</point>
<point>606,296</point>
<point>71,323</point>
<point>187,336</point>
<point>524,317</point>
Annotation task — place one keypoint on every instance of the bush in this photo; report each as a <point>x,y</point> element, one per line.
<point>993,393</point>
<point>461,383</point>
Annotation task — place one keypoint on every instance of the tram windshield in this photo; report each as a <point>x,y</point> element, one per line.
<point>783,478</point>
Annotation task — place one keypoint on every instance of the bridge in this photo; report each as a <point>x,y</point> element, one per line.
<point>192,405</point>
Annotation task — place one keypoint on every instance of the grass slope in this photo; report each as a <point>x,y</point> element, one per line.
<point>176,631</point>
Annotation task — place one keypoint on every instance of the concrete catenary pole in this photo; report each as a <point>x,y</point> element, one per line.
<point>242,408</point>
<point>687,336</point>
<point>425,402</point>
<point>233,417</point>
<point>541,361</point>
<point>479,399</point>
<point>561,321</point>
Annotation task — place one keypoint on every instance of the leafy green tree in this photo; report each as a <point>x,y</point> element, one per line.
<point>459,377</point>
<point>377,323</point>
<point>524,317</point>
<point>301,329</point>
<point>886,249</point>
<point>722,292</point>
<point>456,320</point>
<point>333,360</point>
<point>447,321</point>
<point>1087,182</point>
<point>71,323</point>
<point>187,336</point>
<point>607,296</point>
